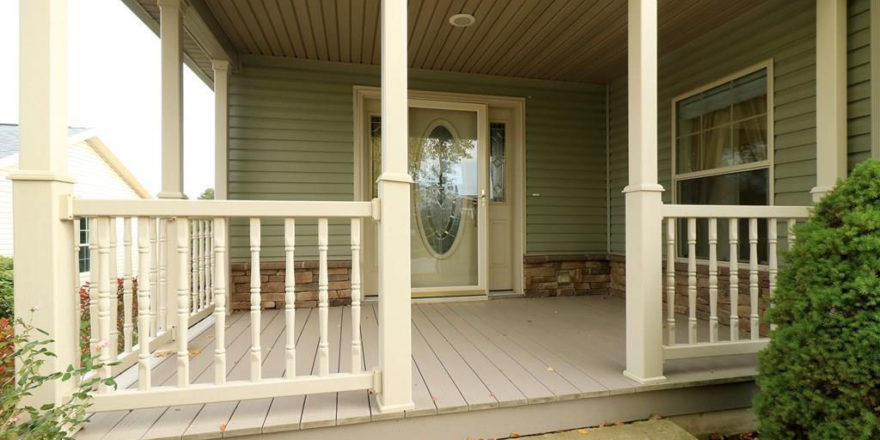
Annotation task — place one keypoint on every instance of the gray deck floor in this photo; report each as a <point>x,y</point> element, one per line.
<point>466,356</point>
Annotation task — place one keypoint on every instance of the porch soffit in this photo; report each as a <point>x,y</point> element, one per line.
<point>568,40</point>
<point>195,56</point>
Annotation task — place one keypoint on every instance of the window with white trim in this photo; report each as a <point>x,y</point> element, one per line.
<point>723,151</point>
<point>85,257</point>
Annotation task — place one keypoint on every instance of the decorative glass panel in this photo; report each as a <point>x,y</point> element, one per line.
<point>497,148</point>
<point>376,151</point>
<point>438,199</point>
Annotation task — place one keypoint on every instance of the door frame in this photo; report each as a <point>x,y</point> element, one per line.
<point>517,145</point>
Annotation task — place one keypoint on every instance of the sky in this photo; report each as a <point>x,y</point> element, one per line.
<point>114,88</point>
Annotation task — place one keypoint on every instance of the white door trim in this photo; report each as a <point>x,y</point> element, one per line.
<point>518,145</point>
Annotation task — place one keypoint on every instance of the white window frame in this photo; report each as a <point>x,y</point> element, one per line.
<point>768,163</point>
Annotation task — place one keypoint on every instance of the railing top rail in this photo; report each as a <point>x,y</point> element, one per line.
<point>733,211</point>
<point>219,208</point>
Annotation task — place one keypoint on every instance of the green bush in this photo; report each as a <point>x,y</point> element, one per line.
<point>7,304</point>
<point>820,376</point>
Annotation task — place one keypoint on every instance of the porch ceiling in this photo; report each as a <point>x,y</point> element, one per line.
<point>569,40</point>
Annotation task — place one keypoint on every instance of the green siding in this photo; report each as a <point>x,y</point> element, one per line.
<point>780,30</point>
<point>859,81</point>
<point>291,138</point>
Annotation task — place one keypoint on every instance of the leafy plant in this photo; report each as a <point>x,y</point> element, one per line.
<point>820,376</point>
<point>7,303</point>
<point>21,421</point>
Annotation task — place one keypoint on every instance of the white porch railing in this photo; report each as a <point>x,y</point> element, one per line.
<point>197,234</point>
<point>682,220</point>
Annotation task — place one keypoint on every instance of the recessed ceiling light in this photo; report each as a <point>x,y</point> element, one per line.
<point>462,20</point>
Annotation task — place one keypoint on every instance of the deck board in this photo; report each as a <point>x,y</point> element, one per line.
<point>529,385</point>
<point>498,383</point>
<point>475,392</point>
<point>465,356</point>
<point>353,406</point>
<point>285,413</point>
<point>514,329</point>
<point>249,415</point>
<point>320,409</point>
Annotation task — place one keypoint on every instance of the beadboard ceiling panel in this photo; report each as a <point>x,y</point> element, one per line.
<point>569,40</point>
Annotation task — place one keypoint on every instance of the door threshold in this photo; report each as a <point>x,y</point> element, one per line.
<point>435,299</point>
<point>499,294</point>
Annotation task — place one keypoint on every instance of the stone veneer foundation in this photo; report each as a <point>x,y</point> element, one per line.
<point>544,275</point>
<point>306,276</point>
<point>566,275</point>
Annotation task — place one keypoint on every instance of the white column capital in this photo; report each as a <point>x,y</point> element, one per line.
<point>170,5</point>
<point>220,65</point>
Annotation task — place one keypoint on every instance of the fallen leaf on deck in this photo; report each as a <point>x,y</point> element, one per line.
<point>551,369</point>
<point>618,423</point>
<point>514,434</point>
<point>223,427</point>
<point>164,353</point>
<point>583,432</point>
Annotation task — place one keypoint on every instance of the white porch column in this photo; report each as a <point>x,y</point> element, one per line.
<point>43,242</point>
<point>395,339</point>
<point>171,42</point>
<point>171,48</point>
<point>221,125</point>
<point>221,145</point>
<point>830,95</point>
<point>644,316</point>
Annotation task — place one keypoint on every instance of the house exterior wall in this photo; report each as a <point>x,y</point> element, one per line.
<point>291,138</point>
<point>779,30</point>
<point>95,179</point>
<point>5,214</point>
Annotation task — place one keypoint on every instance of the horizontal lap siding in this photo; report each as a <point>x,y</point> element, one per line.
<point>291,138</point>
<point>780,30</point>
<point>859,81</point>
<point>617,161</point>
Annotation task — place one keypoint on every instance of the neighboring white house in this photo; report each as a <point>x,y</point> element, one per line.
<point>99,174</point>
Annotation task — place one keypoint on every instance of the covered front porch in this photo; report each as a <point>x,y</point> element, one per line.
<point>523,355</point>
<point>294,190</point>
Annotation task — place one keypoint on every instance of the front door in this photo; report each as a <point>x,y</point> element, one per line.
<point>448,223</point>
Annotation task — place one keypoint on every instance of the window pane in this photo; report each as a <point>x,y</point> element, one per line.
<point>716,103</point>
<point>744,188</point>
<point>749,141</point>
<point>716,143</point>
<point>496,161</point>
<point>750,95</point>
<point>688,112</point>
<point>686,154</point>
<point>730,122</point>
<point>84,251</point>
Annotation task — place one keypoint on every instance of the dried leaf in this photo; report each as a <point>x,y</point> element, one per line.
<point>514,435</point>
<point>583,431</point>
<point>618,422</point>
<point>551,369</point>
<point>223,427</point>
